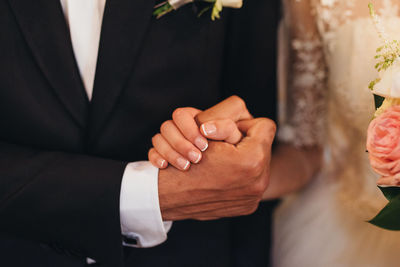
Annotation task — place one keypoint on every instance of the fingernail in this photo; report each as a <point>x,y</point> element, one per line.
<point>201,143</point>
<point>161,163</point>
<point>194,157</point>
<point>183,163</point>
<point>209,128</point>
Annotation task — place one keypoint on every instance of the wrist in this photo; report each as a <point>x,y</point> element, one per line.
<point>172,191</point>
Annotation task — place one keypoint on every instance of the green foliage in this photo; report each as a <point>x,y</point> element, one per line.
<point>216,10</point>
<point>162,10</point>
<point>204,10</point>
<point>378,101</point>
<point>387,54</point>
<point>372,84</point>
<point>389,217</point>
<point>371,9</point>
<point>390,192</point>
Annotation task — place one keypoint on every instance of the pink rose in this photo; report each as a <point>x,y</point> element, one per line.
<point>383,144</point>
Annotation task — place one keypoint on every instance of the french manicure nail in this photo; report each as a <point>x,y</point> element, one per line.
<point>201,143</point>
<point>194,157</point>
<point>161,163</point>
<point>183,163</point>
<point>209,128</point>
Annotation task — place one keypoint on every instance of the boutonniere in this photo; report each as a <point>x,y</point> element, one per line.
<point>215,6</point>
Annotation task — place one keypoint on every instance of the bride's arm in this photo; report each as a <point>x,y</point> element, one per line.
<point>302,86</point>
<point>291,169</point>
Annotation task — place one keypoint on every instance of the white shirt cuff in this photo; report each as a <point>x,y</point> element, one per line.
<point>140,212</point>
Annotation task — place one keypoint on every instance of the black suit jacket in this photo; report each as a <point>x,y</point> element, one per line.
<point>62,158</point>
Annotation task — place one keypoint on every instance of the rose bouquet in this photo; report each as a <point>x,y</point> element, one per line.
<point>383,141</point>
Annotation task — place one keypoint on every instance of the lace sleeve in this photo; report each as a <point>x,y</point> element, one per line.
<point>302,76</point>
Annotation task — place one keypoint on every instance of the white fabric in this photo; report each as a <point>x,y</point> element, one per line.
<point>325,224</point>
<point>139,206</point>
<point>85,19</point>
<point>146,226</point>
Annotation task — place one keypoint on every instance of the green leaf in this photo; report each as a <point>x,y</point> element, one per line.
<point>373,83</point>
<point>378,101</point>
<point>390,192</point>
<point>215,13</point>
<point>162,10</point>
<point>389,217</point>
<point>204,10</point>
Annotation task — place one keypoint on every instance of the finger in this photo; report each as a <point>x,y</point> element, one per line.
<point>168,153</point>
<point>178,142</point>
<point>233,108</point>
<point>156,159</point>
<point>184,119</point>
<point>222,130</point>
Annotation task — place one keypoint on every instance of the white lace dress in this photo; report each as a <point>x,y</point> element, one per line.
<point>325,100</point>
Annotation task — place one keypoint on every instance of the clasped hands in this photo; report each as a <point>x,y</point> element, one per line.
<point>221,161</point>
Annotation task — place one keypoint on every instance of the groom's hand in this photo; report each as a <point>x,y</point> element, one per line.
<point>229,182</point>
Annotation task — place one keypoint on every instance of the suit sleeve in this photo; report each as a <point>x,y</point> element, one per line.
<point>62,199</point>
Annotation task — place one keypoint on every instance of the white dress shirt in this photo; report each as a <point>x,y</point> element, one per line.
<point>139,204</point>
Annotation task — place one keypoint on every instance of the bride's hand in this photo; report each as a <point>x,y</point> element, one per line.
<point>182,140</point>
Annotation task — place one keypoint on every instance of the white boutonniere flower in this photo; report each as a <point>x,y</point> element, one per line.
<point>215,6</point>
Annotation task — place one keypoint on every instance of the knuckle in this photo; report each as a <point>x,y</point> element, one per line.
<point>150,155</point>
<point>165,126</point>
<point>269,125</point>
<point>177,114</point>
<point>241,104</point>
<point>272,126</point>
<point>191,134</point>
<point>156,139</point>
<point>237,99</point>
<point>151,152</point>
<point>183,148</point>
<point>255,165</point>
<point>259,188</point>
<point>259,163</point>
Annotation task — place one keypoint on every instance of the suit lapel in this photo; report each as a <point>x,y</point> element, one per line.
<point>45,30</point>
<point>124,26</point>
